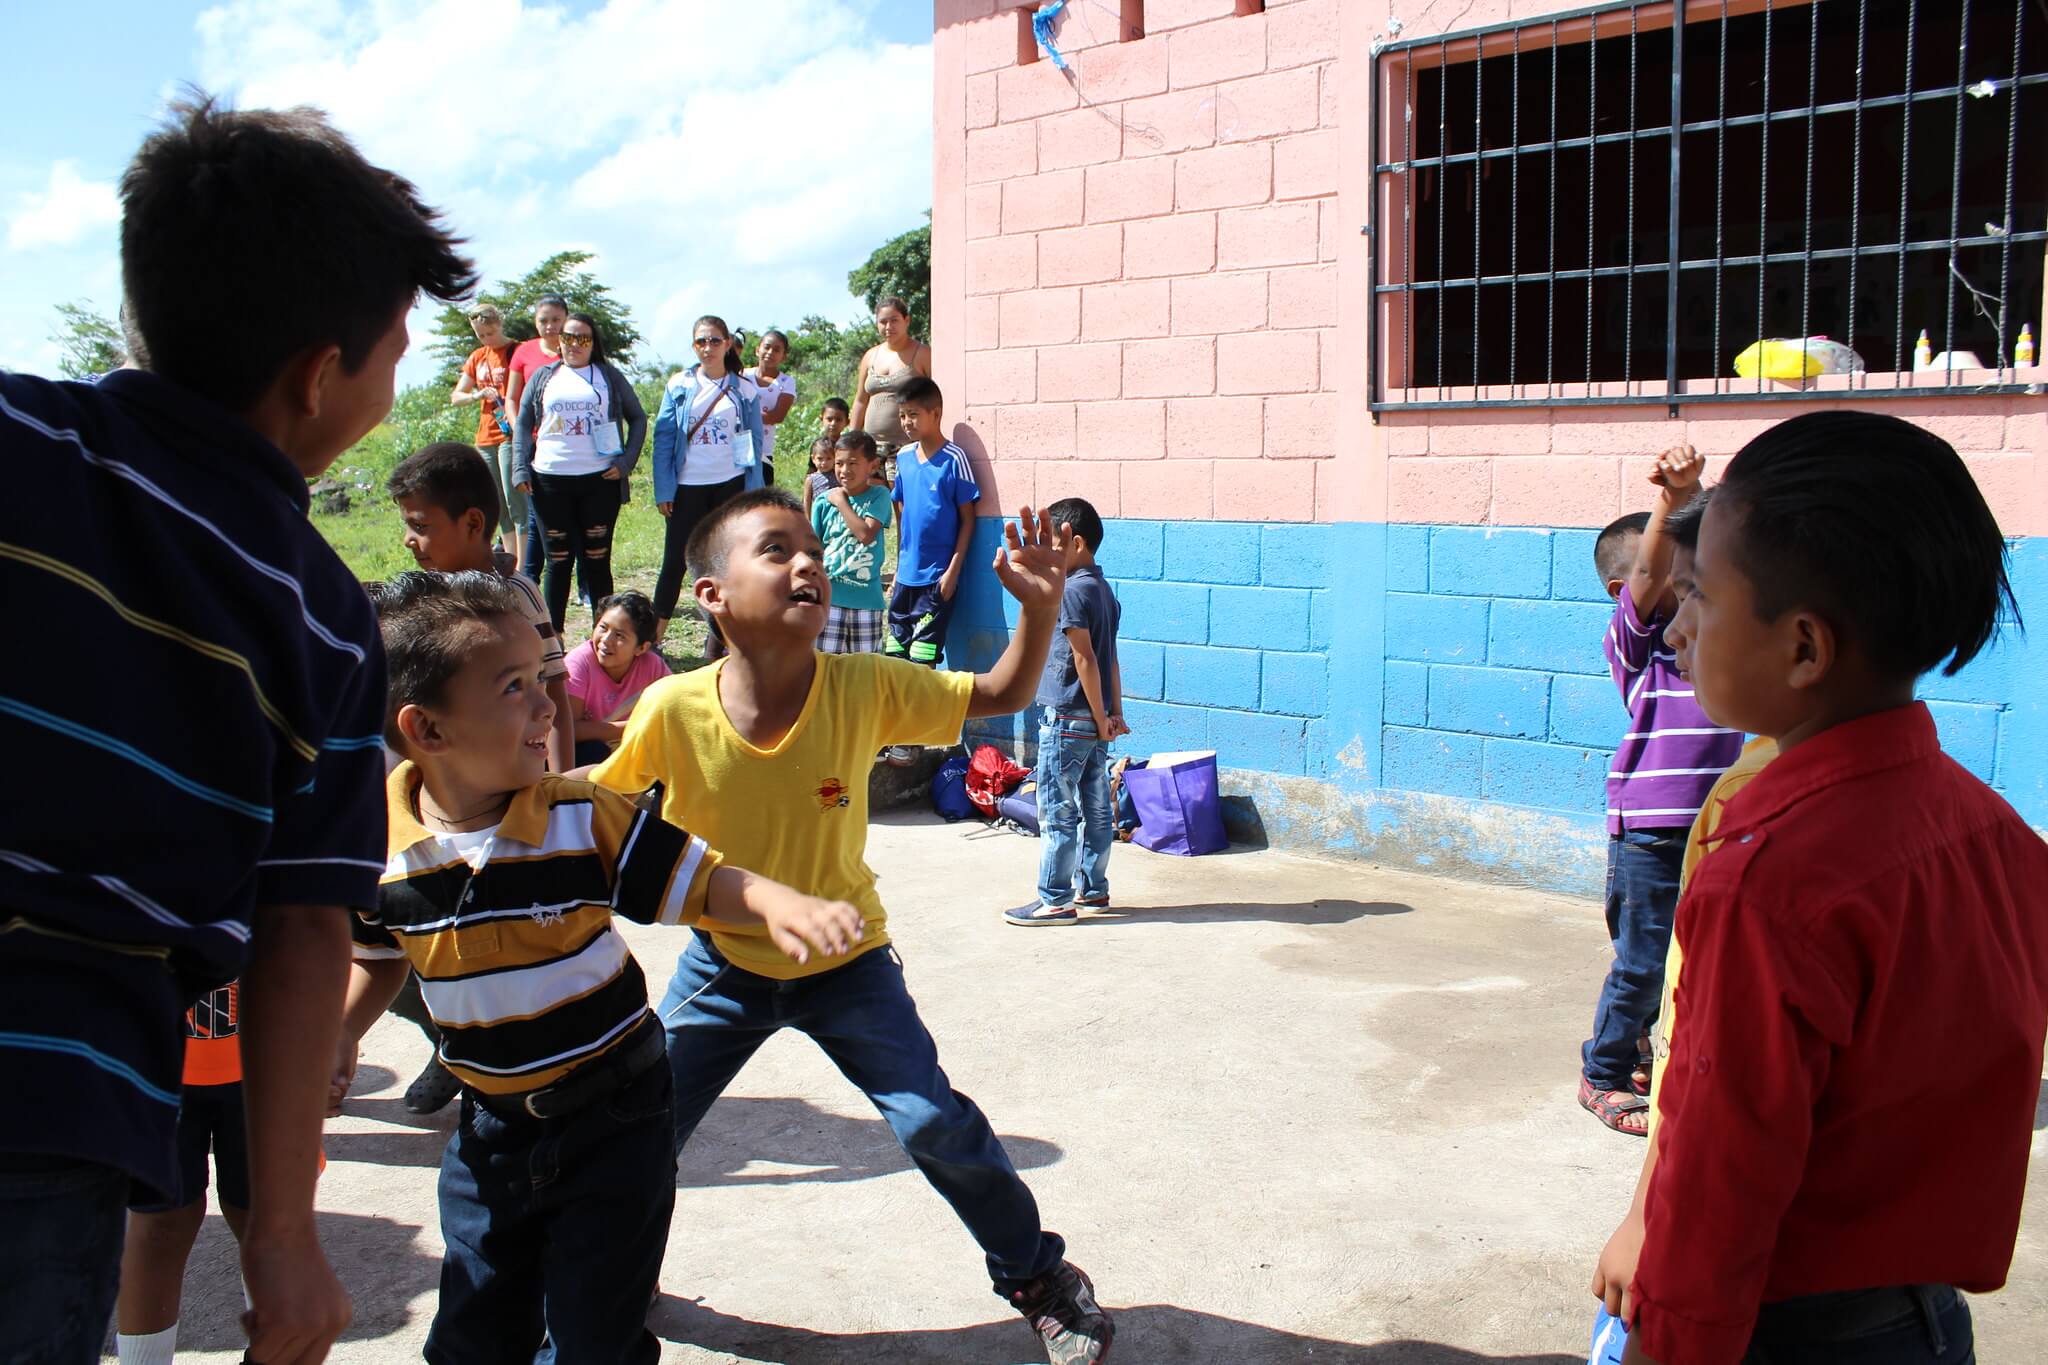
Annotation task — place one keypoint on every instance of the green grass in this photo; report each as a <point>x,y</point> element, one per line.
<point>370,536</point>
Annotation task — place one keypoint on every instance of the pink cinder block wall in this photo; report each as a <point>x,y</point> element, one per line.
<point>1149,287</point>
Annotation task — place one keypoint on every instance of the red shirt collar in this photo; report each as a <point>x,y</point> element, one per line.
<point>1857,748</point>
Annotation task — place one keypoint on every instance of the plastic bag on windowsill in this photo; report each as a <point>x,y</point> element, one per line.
<point>1793,358</point>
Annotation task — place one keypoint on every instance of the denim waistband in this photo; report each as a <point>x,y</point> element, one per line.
<point>1852,1313</point>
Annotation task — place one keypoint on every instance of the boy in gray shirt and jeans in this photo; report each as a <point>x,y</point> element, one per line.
<point>1082,695</point>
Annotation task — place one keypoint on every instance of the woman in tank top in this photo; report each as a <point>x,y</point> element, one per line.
<point>884,370</point>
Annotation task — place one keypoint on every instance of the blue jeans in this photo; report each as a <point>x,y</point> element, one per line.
<point>1642,896</point>
<point>862,1015</point>
<point>60,1257</point>
<point>556,1228</point>
<point>1927,1325</point>
<point>1074,815</point>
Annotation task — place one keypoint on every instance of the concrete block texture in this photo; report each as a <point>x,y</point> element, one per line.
<point>1586,711</point>
<point>1481,561</point>
<point>1294,684</point>
<point>1430,628</point>
<point>1142,666</point>
<point>1489,701</point>
<point>1258,618</point>
<point>1174,613</point>
<point>1430,761</point>
<point>1250,739</point>
<point>1969,734</point>
<point>1212,552</point>
<point>1202,675</point>
<point>1295,556</point>
<point>1562,637</point>
<point>1407,701</point>
<point>1550,776</point>
<point>1132,549</point>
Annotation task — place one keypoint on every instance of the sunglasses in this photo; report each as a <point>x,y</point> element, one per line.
<point>571,339</point>
<point>710,341</point>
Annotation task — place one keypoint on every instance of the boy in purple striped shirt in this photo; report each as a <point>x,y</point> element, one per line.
<point>1668,760</point>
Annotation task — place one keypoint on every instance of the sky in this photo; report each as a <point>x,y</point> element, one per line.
<point>716,156</point>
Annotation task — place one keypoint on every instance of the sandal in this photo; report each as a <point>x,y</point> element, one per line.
<point>1639,1079</point>
<point>1618,1109</point>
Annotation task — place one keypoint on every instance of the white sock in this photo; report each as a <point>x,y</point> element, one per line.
<point>155,1348</point>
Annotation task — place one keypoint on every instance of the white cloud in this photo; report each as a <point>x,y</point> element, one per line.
<point>724,157</point>
<point>68,210</point>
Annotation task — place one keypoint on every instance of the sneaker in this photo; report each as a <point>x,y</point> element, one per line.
<point>1038,912</point>
<point>431,1089</point>
<point>1100,902</point>
<point>1060,1306</point>
<point>900,755</point>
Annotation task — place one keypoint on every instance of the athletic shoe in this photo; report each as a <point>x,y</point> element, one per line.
<point>1060,1306</point>
<point>900,755</point>
<point>1100,902</point>
<point>1038,913</point>
<point>431,1089</point>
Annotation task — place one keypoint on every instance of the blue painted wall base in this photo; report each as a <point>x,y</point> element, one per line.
<point>1427,697</point>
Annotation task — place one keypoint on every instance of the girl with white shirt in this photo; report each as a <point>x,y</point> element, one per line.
<point>578,436</point>
<point>778,392</point>
<point>709,444</point>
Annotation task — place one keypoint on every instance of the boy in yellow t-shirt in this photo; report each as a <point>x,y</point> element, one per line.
<point>1617,1265</point>
<point>766,753</point>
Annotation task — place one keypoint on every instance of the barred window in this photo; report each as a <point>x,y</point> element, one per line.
<point>1602,207</point>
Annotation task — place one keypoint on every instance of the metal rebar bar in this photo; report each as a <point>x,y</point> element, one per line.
<point>1905,349</point>
<point>1955,204</point>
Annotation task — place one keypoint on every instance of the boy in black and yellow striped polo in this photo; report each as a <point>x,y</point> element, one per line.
<point>768,753</point>
<point>556,1189</point>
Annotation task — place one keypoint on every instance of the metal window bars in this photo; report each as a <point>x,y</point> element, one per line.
<point>1871,91</point>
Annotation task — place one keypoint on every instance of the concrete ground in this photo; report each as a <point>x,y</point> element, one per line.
<point>1283,1111</point>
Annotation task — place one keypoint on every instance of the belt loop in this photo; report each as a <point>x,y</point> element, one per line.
<point>1923,1298</point>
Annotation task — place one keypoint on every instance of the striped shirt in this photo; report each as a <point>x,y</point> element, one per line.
<point>220,752</point>
<point>510,928</point>
<point>553,658</point>
<point>1672,754</point>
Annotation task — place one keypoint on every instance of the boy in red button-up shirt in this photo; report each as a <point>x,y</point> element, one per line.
<point>1849,1102</point>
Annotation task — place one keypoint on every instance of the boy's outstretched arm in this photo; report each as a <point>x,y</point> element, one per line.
<point>1677,477</point>
<point>1032,564</point>
<point>796,922</point>
<point>291,1013</point>
<point>373,983</point>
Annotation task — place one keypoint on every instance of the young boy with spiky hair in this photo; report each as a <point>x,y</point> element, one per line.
<point>1851,1092</point>
<point>767,753</point>
<point>237,742</point>
<point>503,880</point>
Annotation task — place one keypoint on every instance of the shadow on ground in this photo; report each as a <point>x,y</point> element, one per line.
<point>1152,1332</point>
<point>1309,912</point>
<point>740,1130</point>
<point>377,1258</point>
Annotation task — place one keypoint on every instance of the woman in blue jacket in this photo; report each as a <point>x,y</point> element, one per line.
<point>708,443</point>
<point>578,436</point>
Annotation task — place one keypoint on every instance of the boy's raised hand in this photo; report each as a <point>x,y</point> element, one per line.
<point>1035,559</point>
<point>1678,473</point>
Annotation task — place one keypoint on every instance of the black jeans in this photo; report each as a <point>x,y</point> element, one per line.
<point>61,1255</point>
<point>1925,1324</point>
<point>577,513</point>
<point>693,503</point>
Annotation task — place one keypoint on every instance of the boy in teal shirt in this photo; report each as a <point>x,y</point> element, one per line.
<point>849,520</point>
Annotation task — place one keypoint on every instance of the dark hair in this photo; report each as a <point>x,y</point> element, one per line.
<point>921,392</point>
<point>272,219</point>
<point>706,551</point>
<point>839,403</point>
<point>771,332</point>
<point>822,443</point>
<point>450,476</point>
<point>1875,525</point>
<point>719,323</point>
<point>429,621</point>
<point>556,299</point>
<point>1683,526</point>
<point>893,301</point>
<point>1080,514</point>
<point>639,610</point>
<point>1614,550</point>
<point>859,440</point>
<point>596,335</point>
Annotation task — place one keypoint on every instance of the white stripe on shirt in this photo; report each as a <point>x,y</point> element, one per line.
<point>528,991</point>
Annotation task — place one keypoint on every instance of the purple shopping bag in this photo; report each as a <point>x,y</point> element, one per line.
<point>1179,810</point>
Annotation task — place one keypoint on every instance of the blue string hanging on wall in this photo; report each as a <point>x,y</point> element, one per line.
<point>1041,29</point>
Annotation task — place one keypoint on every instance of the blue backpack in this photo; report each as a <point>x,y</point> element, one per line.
<point>949,789</point>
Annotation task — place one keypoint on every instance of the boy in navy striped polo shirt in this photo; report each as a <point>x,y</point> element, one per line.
<point>1667,762</point>
<point>232,762</point>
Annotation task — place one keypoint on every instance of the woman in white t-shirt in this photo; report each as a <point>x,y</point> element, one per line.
<point>778,392</point>
<point>708,442</point>
<point>578,436</point>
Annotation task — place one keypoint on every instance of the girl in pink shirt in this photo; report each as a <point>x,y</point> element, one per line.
<point>607,675</point>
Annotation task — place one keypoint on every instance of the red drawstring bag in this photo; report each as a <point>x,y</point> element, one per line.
<point>991,777</point>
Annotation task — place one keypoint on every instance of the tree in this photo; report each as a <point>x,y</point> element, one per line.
<point>561,274</point>
<point>901,266</point>
<point>92,345</point>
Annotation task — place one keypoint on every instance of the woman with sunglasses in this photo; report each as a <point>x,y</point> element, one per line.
<point>708,446</point>
<point>572,458</point>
